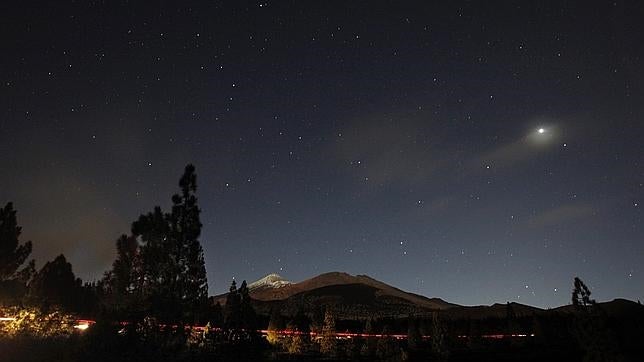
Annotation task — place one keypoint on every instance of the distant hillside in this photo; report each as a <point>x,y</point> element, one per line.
<point>618,307</point>
<point>351,296</point>
<point>361,297</point>
<point>496,310</point>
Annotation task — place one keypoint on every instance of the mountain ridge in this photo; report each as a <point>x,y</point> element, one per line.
<point>361,297</point>
<point>340,289</point>
<point>272,280</point>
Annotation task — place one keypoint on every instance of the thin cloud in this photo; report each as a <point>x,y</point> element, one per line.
<point>520,150</point>
<point>399,150</point>
<point>561,214</point>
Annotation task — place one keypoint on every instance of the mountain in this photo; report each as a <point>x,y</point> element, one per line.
<point>361,297</point>
<point>351,296</point>
<point>615,307</point>
<point>285,290</point>
<point>496,310</point>
<point>269,282</point>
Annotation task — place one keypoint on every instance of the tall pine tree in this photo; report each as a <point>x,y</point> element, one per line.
<point>232,316</point>
<point>125,265</point>
<point>248,315</point>
<point>158,270</point>
<point>328,343</point>
<point>122,284</point>
<point>172,272</point>
<point>13,279</point>
<point>186,229</point>
<point>581,295</point>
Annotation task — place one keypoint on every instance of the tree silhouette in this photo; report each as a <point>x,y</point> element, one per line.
<point>248,316</point>
<point>186,229</point>
<point>125,266</point>
<point>581,295</point>
<point>159,269</point>
<point>294,342</point>
<point>56,286</point>
<point>299,329</point>
<point>232,316</point>
<point>298,338</point>
<point>13,255</point>
<point>328,343</point>
<point>122,285</point>
<point>275,325</point>
<point>172,272</point>
<point>591,327</point>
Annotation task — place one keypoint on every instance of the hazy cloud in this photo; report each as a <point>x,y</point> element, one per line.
<point>520,150</point>
<point>561,214</point>
<point>386,151</point>
<point>59,186</point>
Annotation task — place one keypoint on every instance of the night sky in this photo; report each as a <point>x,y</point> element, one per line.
<point>478,151</point>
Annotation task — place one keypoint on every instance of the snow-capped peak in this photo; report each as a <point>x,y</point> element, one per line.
<point>270,281</point>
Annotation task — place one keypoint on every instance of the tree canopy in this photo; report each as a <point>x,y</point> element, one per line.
<point>13,255</point>
<point>161,265</point>
<point>56,285</point>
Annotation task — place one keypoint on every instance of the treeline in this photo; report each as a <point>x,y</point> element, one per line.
<point>53,286</point>
<point>159,271</point>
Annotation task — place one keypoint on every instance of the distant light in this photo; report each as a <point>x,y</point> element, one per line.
<point>7,319</point>
<point>82,327</point>
<point>541,130</point>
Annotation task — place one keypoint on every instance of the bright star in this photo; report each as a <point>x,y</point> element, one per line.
<point>542,135</point>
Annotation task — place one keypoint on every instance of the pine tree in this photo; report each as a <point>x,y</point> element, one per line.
<point>299,338</point>
<point>581,295</point>
<point>13,280</point>
<point>124,268</point>
<point>275,326</point>
<point>232,317</point>
<point>121,286</point>
<point>328,343</point>
<point>186,229</point>
<point>172,272</point>
<point>591,327</point>
<point>159,266</point>
<point>248,316</point>
<point>56,286</point>
<point>294,342</point>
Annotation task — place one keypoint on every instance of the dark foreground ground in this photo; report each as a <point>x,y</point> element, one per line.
<point>98,347</point>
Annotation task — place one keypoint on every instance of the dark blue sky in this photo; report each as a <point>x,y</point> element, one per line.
<point>395,140</point>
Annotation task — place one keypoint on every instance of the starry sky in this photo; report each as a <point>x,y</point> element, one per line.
<point>479,152</point>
